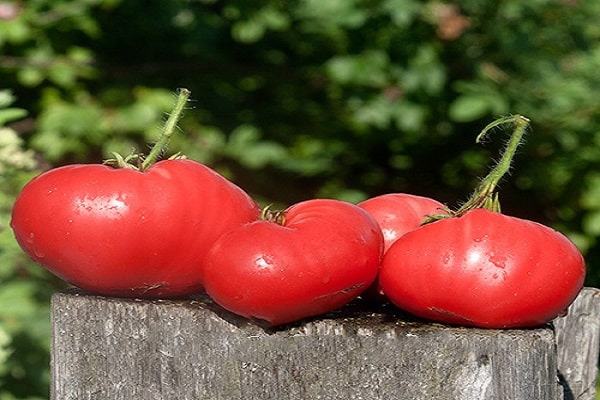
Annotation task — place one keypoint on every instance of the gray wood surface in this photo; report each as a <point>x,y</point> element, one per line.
<point>107,348</point>
<point>578,344</point>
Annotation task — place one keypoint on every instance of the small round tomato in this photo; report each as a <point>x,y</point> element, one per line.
<point>398,213</point>
<point>127,233</point>
<point>483,269</point>
<point>321,256</point>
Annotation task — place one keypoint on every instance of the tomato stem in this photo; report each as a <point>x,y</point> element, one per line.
<point>484,195</point>
<point>167,132</point>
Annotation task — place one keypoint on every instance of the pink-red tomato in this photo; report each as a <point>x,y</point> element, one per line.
<point>127,233</point>
<point>321,257</point>
<point>397,214</point>
<point>483,269</point>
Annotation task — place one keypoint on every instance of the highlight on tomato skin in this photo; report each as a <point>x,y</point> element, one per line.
<point>484,269</point>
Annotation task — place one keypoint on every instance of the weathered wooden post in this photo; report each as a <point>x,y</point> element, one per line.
<point>107,348</point>
<point>578,344</point>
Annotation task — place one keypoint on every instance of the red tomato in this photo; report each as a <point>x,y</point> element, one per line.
<point>127,233</point>
<point>396,214</point>
<point>483,269</point>
<point>324,255</point>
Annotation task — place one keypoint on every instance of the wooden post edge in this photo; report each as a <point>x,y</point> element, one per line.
<point>108,348</point>
<point>578,346</point>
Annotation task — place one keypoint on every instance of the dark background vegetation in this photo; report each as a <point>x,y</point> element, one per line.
<point>294,100</point>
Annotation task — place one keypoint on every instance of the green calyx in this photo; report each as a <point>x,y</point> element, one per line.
<point>140,163</point>
<point>485,195</point>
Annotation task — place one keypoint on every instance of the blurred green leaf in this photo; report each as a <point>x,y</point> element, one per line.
<point>5,350</point>
<point>6,98</point>
<point>344,13</point>
<point>591,223</point>
<point>11,114</point>
<point>590,197</point>
<point>23,307</point>
<point>402,12</point>
<point>469,108</point>
<point>245,146</point>
<point>366,69</point>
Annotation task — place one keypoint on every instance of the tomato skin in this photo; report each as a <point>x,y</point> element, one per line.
<point>126,233</point>
<point>396,214</point>
<point>483,269</point>
<point>324,255</point>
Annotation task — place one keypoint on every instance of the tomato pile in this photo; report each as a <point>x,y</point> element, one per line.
<point>175,228</point>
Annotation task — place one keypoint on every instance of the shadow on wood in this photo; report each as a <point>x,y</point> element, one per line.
<point>108,348</point>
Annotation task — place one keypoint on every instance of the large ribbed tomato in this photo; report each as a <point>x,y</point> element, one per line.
<point>483,269</point>
<point>321,255</point>
<point>128,233</point>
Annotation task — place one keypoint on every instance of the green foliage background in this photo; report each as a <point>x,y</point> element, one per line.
<point>294,100</point>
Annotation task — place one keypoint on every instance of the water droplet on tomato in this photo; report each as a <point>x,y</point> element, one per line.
<point>39,254</point>
<point>143,215</point>
<point>30,238</point>
<point>447,258</point>
<point>498,261</point>
<point>326,279</point>
<point>263,262</point>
